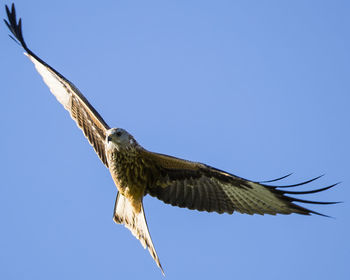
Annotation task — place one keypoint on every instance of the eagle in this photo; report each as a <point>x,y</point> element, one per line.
<point>137,172</point>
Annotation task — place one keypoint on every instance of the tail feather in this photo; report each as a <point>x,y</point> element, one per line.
<point>136,222</point>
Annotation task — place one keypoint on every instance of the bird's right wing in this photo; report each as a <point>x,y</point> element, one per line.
<point>81,111</point>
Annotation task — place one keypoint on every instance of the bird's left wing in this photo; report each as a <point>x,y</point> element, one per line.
<point>198,186</point>
<point>81,111</point>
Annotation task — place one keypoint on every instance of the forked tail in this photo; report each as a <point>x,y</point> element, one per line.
<point>136,222</point>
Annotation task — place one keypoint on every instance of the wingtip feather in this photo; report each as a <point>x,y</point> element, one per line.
<point>274,180</point>
<point>14,27</point>
<point>302,183</point>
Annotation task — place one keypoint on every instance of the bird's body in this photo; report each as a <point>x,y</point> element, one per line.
<point>128,170</point>
<point>137,172</point>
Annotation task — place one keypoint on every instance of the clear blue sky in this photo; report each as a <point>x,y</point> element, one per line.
<point>257,88</point>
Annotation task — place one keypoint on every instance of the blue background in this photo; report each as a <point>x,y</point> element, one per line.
<point>257,88</point>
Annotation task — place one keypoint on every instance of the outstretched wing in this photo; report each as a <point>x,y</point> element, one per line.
<point>86,117</point>
<point>198,186</point>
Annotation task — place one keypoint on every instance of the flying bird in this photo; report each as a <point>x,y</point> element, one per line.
<point>137,172</point>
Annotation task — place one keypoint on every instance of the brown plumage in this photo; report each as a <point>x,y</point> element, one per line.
<point>138,172</point>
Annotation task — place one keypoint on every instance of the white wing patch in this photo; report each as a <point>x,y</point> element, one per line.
<point>58,89</point>
<point>256,199</point>
<point>76,105</point>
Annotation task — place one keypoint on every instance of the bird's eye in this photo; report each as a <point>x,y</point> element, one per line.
<point>119,133</point>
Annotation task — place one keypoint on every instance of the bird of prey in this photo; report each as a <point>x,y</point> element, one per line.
<point>137,172</point>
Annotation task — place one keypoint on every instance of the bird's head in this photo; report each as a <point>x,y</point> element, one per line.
<point>120,139</point>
